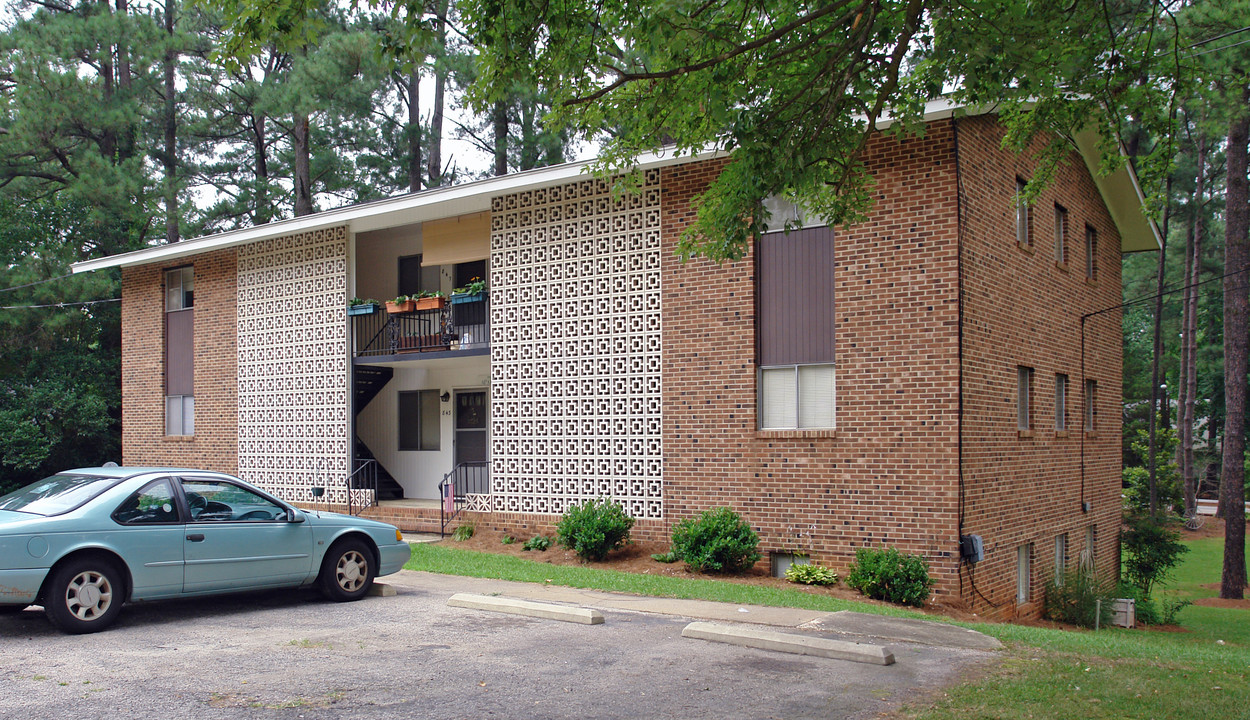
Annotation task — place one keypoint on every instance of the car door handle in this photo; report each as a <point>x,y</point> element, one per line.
<point>196,537</point>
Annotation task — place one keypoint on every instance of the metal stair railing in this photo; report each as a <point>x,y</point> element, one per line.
<point>471,478</point>
<point>364,477</point>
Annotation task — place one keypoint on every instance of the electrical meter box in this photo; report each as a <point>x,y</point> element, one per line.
<point>971,548</point>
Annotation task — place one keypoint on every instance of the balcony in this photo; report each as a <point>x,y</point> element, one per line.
<point>461,325</point>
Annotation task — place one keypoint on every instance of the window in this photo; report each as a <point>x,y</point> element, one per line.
<point>415,277</point>
<point>1091,392</point>
<point>1061,557</point>
<point>1024,397</point>
<point>1022,214</point>
<point>795,330</point>
<point>418,420</point>
<point>1091,253</point>
<point>797,397</point>
<point>152,505</point>
<point>1024,569</point>
<point>180,351</point>
<point>1061,233</point>
<point>222,501</point>
<point>1061,402</point>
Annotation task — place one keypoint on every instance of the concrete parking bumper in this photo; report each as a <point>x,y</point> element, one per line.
<point>512,606</point>
<point>785,642</point>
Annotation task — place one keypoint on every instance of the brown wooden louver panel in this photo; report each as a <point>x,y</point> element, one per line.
<point>180,352</point>
<point>796,320</point>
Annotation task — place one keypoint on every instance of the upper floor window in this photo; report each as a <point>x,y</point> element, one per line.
<point>1061,402</point>
<point>1091,253</point>
<point>1091,412</point>
<point>1061,235</point>
<point>179,289</point>
<point>1024,397</point>
<point>180,351</point>
<point>795,329</point>
<point>1022,214</point>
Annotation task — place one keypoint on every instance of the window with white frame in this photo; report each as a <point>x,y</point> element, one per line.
<point>1091,412</point>
<point>1024,573</point>
<point>1022,214</point>
<point>180,351</point>
<point>1061,235</point>
<point>1061,402</point>
<point>1061,557</point>
<point>1024,397</point>
<point>1091,253</point>
<point>795,330</point>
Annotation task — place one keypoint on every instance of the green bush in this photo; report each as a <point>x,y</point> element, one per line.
<point>887,574</point>
<point>811,575</point>
<point>1168,483</point>
<point>1150,546</point>
<point>462,532</point>
<point>594,528</point>
<point>1076,600</point>
<point>508,540</point>
<point>719,540</point>
<point>665,557</point>
<point>538,542</point>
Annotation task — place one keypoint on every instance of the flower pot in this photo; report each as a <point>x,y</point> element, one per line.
<point>461,298</point>
<point>395,308</point>
<point>365,309</point>
<point>431,303</point>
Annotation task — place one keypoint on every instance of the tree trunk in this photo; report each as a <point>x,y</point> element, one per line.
<point>303,166</point>
<point>170,118</point>
<point>264,211</point>
<point>1153,481</point>
<point>108,135</point>
<point>413,131</point>
<point>434,143</point>
<point>500,118</point>
<point>1236,260</point>
<point>1190,355</point>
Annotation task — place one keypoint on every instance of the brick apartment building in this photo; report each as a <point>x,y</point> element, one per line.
<point>948,367</point>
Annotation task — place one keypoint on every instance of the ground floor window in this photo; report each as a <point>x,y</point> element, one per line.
<point>797,397</point>
<point>418,420</point>
<point>1061,557</point>
<point>1024,580</point>
<point>179,415</point>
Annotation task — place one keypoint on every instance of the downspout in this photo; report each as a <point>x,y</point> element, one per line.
<point>959,271</point>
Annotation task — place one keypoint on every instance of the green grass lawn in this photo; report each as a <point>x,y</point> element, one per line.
<point>1044,673</point>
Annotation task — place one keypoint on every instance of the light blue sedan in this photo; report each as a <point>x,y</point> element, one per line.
<point>82,542</point>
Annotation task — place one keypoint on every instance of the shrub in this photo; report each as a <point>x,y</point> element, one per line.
<point>667,557</point>
<point>811,575</point>
<point>719,540</point>
<point>462,532</point>
<point>1076,600</point>
<point>508,540</point>
<point>1171,609</point>
<point>1151,546</point>
<point>538,542</point>
<point>887,574</point>
<point>594,528</point>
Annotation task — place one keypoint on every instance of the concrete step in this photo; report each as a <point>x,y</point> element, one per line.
<point>406,517</point>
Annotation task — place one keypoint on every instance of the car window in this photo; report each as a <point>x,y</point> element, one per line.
<point>222,501</point>
<point>153,505</point>
<point>57,494</point>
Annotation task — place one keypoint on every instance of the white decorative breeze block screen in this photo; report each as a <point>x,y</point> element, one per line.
<point>575,348</point>
<point>293,364</point>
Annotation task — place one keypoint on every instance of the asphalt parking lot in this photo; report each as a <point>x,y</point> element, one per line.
<point>293,655</point>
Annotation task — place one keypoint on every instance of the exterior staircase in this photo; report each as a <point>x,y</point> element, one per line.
<point>368,381</point>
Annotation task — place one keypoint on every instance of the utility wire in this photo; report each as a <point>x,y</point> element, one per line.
<point>1169,291</point>
<point>59,305</point>
<point>37,282</point>
<point>1220,36</point>
<point>1217,49</point>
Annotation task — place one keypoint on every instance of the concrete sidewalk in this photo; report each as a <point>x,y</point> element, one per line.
<point>853,625</point>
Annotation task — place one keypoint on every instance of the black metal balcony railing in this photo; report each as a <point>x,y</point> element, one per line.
<point>459,326</point>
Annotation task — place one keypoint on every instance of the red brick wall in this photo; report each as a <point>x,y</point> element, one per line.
<point>215,443</point>
<point>888,473</point>
<point>1021,309</point>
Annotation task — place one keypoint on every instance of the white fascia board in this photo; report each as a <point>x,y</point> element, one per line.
<point>391,212</point>
<point>1123,196</point>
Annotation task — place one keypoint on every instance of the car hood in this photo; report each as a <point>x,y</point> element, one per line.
<point>330,519</point>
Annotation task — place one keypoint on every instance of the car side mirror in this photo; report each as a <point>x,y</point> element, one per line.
<point>294,516</point>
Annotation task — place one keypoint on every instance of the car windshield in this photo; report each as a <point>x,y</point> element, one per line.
<point>56,494</point>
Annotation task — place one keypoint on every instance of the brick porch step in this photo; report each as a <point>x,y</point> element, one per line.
<point>408,515</point>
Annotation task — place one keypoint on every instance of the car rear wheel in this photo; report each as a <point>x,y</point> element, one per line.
<point>84,595</point>
<point>347,571</point>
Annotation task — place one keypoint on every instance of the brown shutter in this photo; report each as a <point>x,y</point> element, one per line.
<point>180,352</point>
<point>796,320</point>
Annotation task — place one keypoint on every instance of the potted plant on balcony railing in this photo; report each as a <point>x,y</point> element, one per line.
<point>473,291</point>
<point>357,306</point>
<point>430,300</point>
<point>401,304</point>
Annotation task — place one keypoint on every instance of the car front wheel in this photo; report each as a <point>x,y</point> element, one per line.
<point>84,595</point>
<point>347,571</point>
